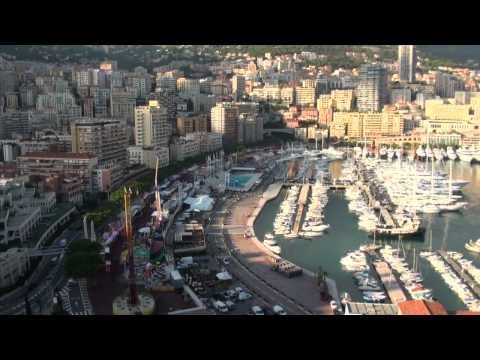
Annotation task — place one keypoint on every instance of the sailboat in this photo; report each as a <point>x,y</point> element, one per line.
<point>430,249</point>
<point>453,206</point>
<point>431,208</point>
<point>372,246</point>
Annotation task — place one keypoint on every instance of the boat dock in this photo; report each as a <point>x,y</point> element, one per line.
<point>337,185</point>
<point>465,276</point>
<point>393,288</point>
<point>387,217</point>
<point>302,199</point>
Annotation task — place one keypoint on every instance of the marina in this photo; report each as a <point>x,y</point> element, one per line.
<point>449,230</point>
<point>394,291</point>
<point>302,203</point>
<point>464,275</point>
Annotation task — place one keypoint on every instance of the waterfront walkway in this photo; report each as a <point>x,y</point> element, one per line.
<point>303,199</point>
<point>301,292</point>
<point>394,290</point>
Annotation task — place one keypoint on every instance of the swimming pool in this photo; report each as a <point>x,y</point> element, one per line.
<point>242,182</point>
<point>239,180</point>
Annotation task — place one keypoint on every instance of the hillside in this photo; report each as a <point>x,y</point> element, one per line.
<point>149,56</point>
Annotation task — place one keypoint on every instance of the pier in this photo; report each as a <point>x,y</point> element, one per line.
<point>302,199</point>
<point>393,288</point>
<point>337,185</point>
<point>464,275</point>
<point>387,217</point>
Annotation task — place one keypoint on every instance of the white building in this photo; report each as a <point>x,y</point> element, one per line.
<point>151,125</point>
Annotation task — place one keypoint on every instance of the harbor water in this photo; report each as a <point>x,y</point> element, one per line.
<point>449,231</point>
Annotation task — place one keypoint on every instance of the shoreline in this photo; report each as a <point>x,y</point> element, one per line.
<point>306,287</point>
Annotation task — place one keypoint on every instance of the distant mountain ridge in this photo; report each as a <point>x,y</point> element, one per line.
<point>457,53</point>
<point>129,56</point>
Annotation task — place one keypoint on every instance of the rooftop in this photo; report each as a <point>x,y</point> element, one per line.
<point>357,308</point>
<point>56,155</point>
<point>421,307</point>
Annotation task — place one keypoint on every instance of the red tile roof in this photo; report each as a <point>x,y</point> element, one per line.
<point>421,307</point>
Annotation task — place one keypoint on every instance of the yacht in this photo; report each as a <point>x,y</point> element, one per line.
<point>272,245</point>
<point>421,154</point>
<point>269,236</point>
<point>473,246</point>
<point>437,154</point>
<point>333,154</point>
<point>390,154</point>
<point>310,234</point>
<point>466,154</point>
<point>430,209</point>
<point>451,154</point>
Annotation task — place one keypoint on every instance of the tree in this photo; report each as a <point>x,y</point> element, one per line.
<point>84,259</point>
<point>83,264</point>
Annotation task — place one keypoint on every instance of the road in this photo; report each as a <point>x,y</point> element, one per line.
<point>267,295</point>
<point>47,276</point>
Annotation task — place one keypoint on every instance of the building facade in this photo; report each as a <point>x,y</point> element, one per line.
<point>372,90</point>
<point>407,62</point>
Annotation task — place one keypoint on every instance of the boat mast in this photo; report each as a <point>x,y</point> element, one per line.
<point>431,182</point>
<point>431,240</point>
<point>450,183</point>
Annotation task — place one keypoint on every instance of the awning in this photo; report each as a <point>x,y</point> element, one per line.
<point>200,203</point>
<point>224,276</point>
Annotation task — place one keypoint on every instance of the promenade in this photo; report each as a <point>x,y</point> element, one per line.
<point>302,291</point>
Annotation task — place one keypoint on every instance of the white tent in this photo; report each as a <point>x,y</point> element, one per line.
<point>224,276</point>
<point>200,203</point>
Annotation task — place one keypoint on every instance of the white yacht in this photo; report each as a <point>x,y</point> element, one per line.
<point>473,246</point>
<point>421,154</point>
<point>272,246</point>
<point>466,154</point>
<point>451,154</point>
<point>333,154</point>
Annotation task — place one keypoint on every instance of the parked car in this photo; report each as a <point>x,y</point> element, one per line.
<point>257,310</point>
<point>230,304</point>
<point>242,296</point>
<point>230,294</point>
<point>220,306</point>
<point>278,310</point>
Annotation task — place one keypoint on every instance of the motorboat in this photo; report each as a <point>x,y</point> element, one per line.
<point>311,234</point>
<point>430,209</point>
<point>272,246</point>
<point>451,154</point>
<point>421,154</point>
<point>466,154</point>
<point>453,207</point>
<point>473,245</point>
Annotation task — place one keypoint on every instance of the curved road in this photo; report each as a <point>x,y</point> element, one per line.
<point>243,264</point>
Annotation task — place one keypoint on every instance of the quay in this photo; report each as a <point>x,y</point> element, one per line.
<point>393,288</point>
<point>464,275</point>
<point>300,294</point>
<point>303,198</point>
<point>337,185</point>
<point>387,217</point>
